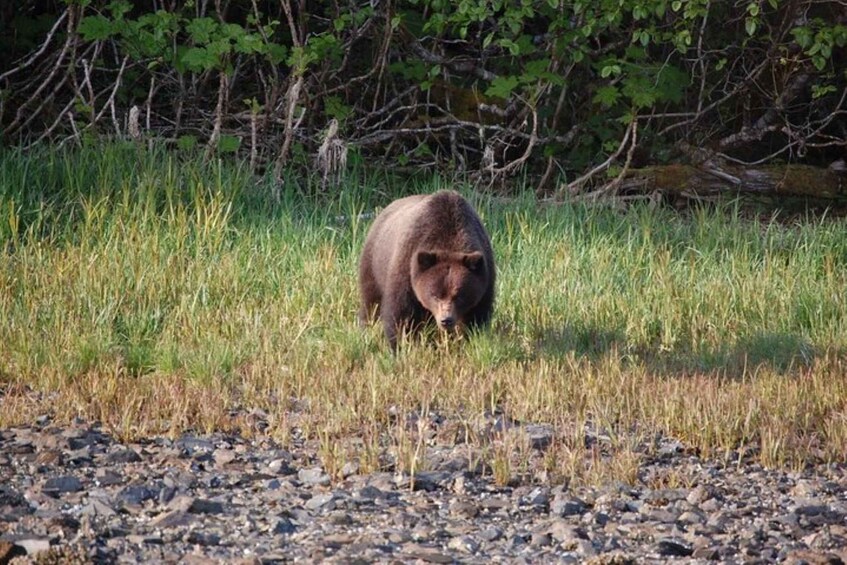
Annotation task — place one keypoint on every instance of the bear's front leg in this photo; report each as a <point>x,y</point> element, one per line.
<point>396,313</point>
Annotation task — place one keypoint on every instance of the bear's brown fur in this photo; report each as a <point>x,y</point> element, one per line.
<point>427,257</point>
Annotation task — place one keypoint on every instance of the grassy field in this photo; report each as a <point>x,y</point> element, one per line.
<point>157,294</point>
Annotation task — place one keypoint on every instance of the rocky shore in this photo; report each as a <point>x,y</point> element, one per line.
<point>74,494</point>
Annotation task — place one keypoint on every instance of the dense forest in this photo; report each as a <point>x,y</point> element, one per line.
<point>584,99</point>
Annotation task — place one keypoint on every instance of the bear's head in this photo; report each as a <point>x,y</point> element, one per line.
<point>449,284</point>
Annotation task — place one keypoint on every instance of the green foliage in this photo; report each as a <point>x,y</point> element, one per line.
<point>580,65</point>
<point>193,44</point>
<point>818,39</point>
<point>229,144</point>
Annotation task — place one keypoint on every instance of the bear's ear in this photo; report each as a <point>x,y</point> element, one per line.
<point>426,259</point>
<point>474,261</point>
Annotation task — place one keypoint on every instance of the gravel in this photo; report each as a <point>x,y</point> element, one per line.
<point>75,494</point>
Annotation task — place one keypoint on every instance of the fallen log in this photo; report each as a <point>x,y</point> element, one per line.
<point>709,180</point>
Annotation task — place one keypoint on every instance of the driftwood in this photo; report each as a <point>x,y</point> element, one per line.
<point>707,179</point>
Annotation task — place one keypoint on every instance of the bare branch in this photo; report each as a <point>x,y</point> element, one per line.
<point>575,186</point>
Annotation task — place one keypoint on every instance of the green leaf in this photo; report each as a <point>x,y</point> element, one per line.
<point>249,43</point>
<point>502,87</point>
<point>218,48</point>
<point>610,70</point>
<point>199,59</point>
<point>119,8</point>
<point>537,67</point>
<point>201,29</point>
<point>750,25</point>
<point>513,47</point>
<point>276,53</point>
<point>821,91</point>
<point>606,96</point>
<point>640,90</point>
<point>95,28</point>
<point>413,70</point>
<point>671,83</point>
<point>803,36</point>
<point>336,108</point>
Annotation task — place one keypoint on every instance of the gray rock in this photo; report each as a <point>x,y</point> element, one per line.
<point>698,495</point>
<point>10,497</point>
<point>706,553</point>
<point>399,537</point>
<point>464,544</point>
<point>280,466</point>
<point>811,509</point>
<point>166,495</point>
<point>540,539</point>
<point>123,456</point>
<point>98,508</point>
<point>193,445</point>
<point>424,553</point>
<point>140,539</point>
<point>57,486</point>
<point>194,505</point>
<point>203,538</point>
<point>564,506</point>
<point>564,532</point>
<point>283,526</point>
<point>692,517</point>
<point>107,478</point>
<point>369,492</point>
<point>313,477</point>
<point>33,546</point>
<point>204,506</point>
<point>171,519</point>
<point>223,457</point>
<point>538,497</point>
<point>673,547</point>
<point>495,503</point>
<point>323,501</point>
<point>137,494</point>
<point>464,509</point>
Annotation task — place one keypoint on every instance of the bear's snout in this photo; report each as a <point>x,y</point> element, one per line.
<point>445,315</point>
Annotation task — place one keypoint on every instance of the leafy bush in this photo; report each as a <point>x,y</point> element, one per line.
<point>485,86</point>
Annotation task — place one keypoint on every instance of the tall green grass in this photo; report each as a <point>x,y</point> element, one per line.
<point>156,293</point>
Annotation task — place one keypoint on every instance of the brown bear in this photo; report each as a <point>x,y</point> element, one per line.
<point>427,257</point>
